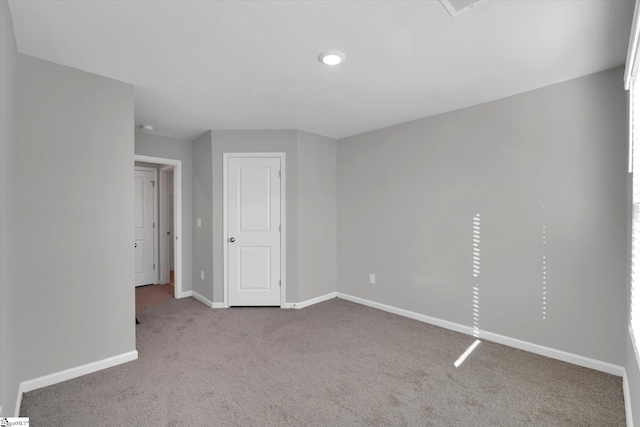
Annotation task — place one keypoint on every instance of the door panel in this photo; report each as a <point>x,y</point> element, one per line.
<point>254,268</point>
<point>253,212</point>
<point>254,198</point>
<point>144,227</point>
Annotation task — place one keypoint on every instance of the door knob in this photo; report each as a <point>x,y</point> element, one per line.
<point>233,239</point>
<point>135,245</point>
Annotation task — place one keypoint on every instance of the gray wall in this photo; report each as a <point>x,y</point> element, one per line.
<point>171,148</point>
<point>257,141</point>
<point>311,248</point>
<point>9,306</point>
<point>317,216</point>
<point>555,157</point>
<point>74,255</point>
<point>203,209</point>
<point>406,195</point>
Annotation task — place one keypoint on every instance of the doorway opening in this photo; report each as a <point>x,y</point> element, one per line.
<point>169,220</point>
<point>167,232</point>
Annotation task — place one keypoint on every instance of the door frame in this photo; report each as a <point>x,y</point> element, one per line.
<point>156,234</point>
<point>177,217</point>
<point>283,220</point>
<point>165,265</point>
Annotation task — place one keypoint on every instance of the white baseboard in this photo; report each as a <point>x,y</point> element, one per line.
<point>627,399</point>
<point>575,359</point>
<point>184,294</point>
<point>312,301</point>
<point>202,299</point>
<point>68,374</point>
<point>468,330</point>
<point>206,301</point>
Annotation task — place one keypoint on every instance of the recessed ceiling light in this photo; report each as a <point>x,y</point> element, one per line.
<point>331,57</point>
<point>148,128</point>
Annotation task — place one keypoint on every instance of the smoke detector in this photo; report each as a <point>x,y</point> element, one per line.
<point>148,128</point>
<point>456,7</point>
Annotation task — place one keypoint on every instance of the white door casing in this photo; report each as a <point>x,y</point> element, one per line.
<point>254,211</point>
<point>170,207</point>
<point>177,224</point>
<point>165,224</point>
<point>144,245</point>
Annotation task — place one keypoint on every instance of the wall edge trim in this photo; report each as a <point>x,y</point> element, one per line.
<point>202,299</point>
<point>552,353</point>
<point>309,302</point>
<point>68,374</point>
<point>184,294</point>
<point>626,390</point>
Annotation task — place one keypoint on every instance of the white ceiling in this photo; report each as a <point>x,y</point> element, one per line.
<point>200,65</point>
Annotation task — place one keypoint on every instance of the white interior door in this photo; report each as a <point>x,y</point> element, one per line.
<point>253,231</point>
<point>144,227</point>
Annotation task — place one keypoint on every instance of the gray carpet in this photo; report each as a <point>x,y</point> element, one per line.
<point>332,364</point>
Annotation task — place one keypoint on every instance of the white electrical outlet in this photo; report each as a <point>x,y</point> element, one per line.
<point>201,274</point>
<point>372,279</point>
<point>199,222</point>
